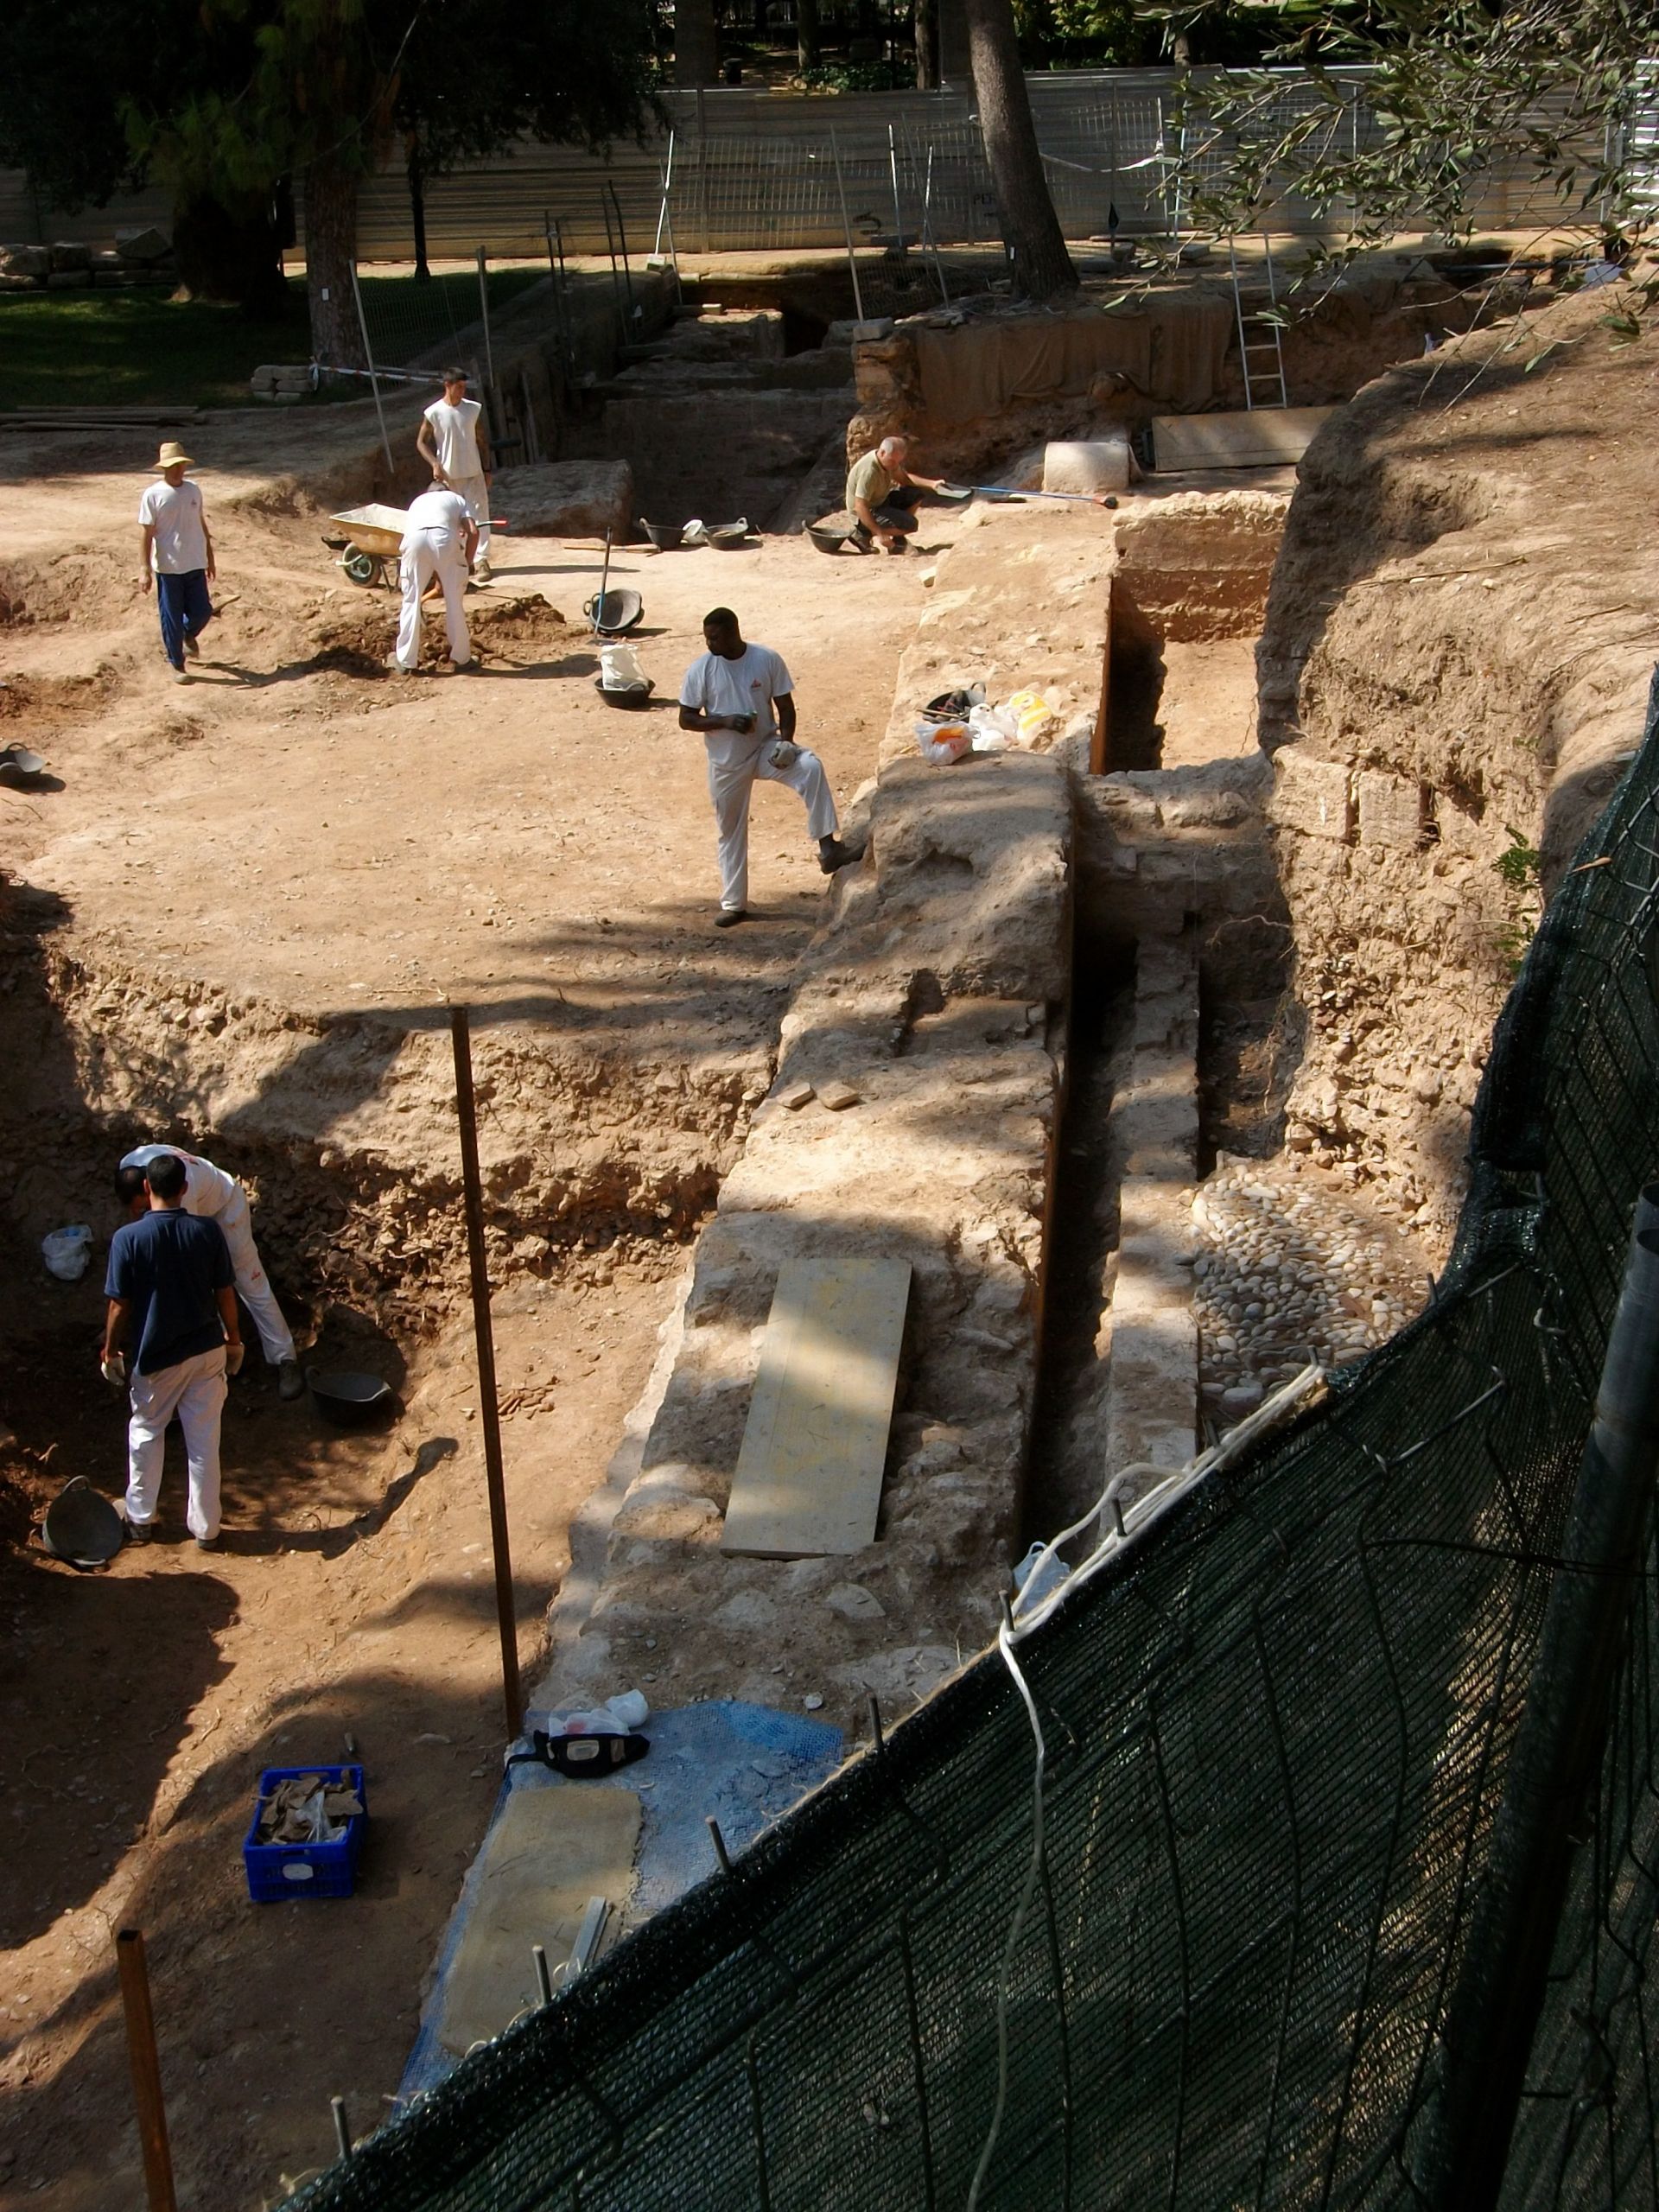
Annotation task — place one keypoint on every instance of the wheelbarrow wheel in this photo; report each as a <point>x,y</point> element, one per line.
<point>362,568</point>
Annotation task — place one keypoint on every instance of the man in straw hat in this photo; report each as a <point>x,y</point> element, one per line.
<point>177,548</point>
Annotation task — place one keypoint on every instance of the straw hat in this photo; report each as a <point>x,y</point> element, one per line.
<point>172,455</point>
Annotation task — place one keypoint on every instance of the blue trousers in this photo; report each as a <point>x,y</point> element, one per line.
<point>185,609</point>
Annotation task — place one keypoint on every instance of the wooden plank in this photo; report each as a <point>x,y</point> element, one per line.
<point>808,1475</point>
<point>1261,437</point>
<point>552,1850</point>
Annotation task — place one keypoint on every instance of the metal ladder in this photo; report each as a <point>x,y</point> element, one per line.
<point>1261,354</point>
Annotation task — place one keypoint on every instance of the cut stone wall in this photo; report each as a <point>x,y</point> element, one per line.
<point>1018,602</point>
<point>936,995</point>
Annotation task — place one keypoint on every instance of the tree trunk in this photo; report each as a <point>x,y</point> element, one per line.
<point>330,257</point>
<point>1030,229</point>
<point>417,209</point>
<point>806,33</point>
<point>927,46</point>
<point>696,44</point>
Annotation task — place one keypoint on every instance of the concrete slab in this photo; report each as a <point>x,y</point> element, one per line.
<point>808,1476</point>
<point>1261,437</point>
<point>549,1852</point>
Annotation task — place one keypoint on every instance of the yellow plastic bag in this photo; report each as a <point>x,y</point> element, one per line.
<point>1035,717</point>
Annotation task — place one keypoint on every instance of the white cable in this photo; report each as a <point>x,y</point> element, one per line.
<point>1016,1928</point>
<point>1173,1484</point>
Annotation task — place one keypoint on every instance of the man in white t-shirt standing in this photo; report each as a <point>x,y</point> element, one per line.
<point>453,441</point>
<point>178,551</point>
<point>740,700</point>
<point>216,1195</point>
<point>438,541</point>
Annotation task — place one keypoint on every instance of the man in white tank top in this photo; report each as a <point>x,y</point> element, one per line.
<point>455,446</point>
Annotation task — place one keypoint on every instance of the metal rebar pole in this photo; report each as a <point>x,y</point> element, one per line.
<point>484,312</point>
<point>668,186</point>
<point>1558,1747</point>
<point>146,2070</point>
<point>489,1411</point>
<point>898,211</point>
<point>847,226</point>
<point>374,381</point>
<point>622,240</point>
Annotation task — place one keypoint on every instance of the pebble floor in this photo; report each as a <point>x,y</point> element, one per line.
<point>1289,1268</point>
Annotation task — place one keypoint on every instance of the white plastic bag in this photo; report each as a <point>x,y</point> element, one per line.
<point>939,744</point>
<point>994,722</point>
<point>619,667</point>
<point>67,1251</point>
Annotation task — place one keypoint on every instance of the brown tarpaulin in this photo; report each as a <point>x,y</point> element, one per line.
<point>1171,349</point>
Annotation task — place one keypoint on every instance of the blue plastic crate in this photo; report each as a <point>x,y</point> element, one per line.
<point>305,1870</point>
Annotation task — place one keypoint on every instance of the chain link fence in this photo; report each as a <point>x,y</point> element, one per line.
<point>1279,1721</point>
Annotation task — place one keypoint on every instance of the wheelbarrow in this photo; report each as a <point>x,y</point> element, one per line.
<point>371,551</point>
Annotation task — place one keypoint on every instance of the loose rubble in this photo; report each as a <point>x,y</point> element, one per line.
<point>1287,1270</point>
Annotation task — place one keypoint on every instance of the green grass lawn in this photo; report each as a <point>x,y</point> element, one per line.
<point>109,349</point>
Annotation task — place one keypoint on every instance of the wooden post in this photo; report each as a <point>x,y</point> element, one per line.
<point>489,1414</point>
<point>146,2070</point>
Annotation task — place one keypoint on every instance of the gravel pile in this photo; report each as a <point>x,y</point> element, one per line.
<point>1286,1270</point>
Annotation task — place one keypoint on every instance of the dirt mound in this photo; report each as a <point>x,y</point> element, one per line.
<point>358,644</point>
<point>32,707</point>
<point>527,620</point>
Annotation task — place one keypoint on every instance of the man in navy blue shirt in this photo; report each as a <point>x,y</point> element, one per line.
<point>171,1288</point>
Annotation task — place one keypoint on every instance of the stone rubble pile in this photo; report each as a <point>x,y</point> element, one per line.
<point>1287,1270</point>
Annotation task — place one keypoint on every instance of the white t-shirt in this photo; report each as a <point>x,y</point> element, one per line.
<point>455,432</point>
<point>439,517</point>
<point>747,685</point>
<point>207,1189</point>
<point>173,511</point>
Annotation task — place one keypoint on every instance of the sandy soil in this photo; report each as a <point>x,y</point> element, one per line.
<point>295,825</point>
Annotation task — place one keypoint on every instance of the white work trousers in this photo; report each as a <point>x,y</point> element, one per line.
<point>474,493</point>
<point>428,554</point>
<point>195,1390</point>
<point>730,784</point>
<point>253,1284</point>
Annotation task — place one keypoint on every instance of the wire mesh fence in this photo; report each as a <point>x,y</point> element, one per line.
<point>751,171</point>
<point>409,320</point>
<point>1278,1723</point>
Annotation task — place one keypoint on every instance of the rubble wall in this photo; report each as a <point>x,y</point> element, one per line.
<point>1459,637</point>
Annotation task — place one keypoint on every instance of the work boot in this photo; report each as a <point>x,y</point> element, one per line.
<point>192,646</point>
<point>290,1381</point>
<point>482,572</point>
<point>207,1543</point>
<point>729,917</point>
<point>180,675</point>
<point>832,854</point>
<point>138,1532</point>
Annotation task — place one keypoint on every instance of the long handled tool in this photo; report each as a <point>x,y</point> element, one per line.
<point>1014,492</point>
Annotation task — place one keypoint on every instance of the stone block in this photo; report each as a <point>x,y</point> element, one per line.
<point>70,253</point>
<point>68,280</point>
<point>8,283</point>
<point>1152,1399</point>
<point>144,246</point>
<point>1312,797</point>
<point>1390,811</point>
<point>566,498</point>
<point>25,260</point>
